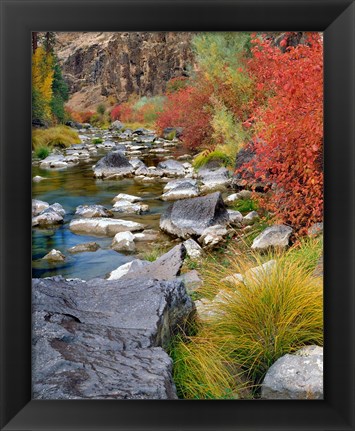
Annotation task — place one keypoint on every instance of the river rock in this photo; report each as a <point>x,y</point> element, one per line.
<point>85,247</point>
<point>189,217</point>
<point>38,179</point>
<point>137,163</point>
<point>235,218</point>
<point>54,161</point>
<point>184,190</point>
<point>172,168</point>
<point>125,197</point>
<point>54,214</point>
<point>295,376</point>
<point>213,235</point>
<point>147,235</point>
<point>166,267</point>
<point>250,218</point>
<point>89,211</point>
<point>102,339</point>
<point>38,206</point>
<point>54,256</point>
<point>116,125</point>
<point>113,165</point>
<point>127,207</point>
<point>315,230</point>
<point>276,236</point>
<point>191,280</point>
<point>103,227</point>
<point>174,183</point>
<point>127,267</point>
<point>214,178</point>
<point>123,241</point>
<point>193,250</point>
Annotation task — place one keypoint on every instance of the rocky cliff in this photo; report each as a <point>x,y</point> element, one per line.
<point>112,66</point>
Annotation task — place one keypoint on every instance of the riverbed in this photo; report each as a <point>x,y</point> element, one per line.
<point>76,185</point>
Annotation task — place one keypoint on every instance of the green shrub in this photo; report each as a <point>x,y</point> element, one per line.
<point>245,205</point>
<point>101,109</point>
<point>58,136</point>
<point>96,141</point>
<point>206,156</point>
<point>42,152</point>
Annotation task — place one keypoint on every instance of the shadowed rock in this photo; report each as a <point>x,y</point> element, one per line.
<point>192,216</point>
<point>101,339</point>
<point>113,165</point>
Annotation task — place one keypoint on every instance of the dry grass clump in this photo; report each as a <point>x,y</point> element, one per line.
<point>250,320</point>
<point>58,136</point>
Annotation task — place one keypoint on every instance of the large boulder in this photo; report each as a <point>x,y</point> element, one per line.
<point>276,236</point>
<point>102,339</point>
<point>102,226</point>
<point>113,165</point>
<point>213,177</point>
<point>297,376</point>
<point>190,217</point>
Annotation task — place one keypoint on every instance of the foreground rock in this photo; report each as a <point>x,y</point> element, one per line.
<point>123,241</point>
<point>276,236</point>
<point>113,165</point>
<point>189,217</point>
<point>101,339</point>
<point>103,227</point>
<point>297,376</point>
<point>51,215</point>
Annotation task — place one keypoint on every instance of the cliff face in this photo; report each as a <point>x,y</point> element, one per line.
<point>116,65</point>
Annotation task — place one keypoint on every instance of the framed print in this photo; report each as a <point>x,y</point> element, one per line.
<point>162,131</point>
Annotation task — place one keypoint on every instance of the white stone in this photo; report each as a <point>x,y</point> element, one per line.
<point>126,268</point>
<point>125,197</point>
<point>123,241</point>
<point>103,227</point>
<point>193,250</point>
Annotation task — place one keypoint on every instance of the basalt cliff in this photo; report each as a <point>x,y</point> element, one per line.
<point>101,67</point>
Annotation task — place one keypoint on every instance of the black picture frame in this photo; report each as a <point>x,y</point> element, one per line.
<point>18,19</point>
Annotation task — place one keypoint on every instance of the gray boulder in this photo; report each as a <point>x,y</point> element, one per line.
<point>171,168</point>
<point>213,235</point>
<point>85,247</point>
<point>250,218</point>
<point>89,211</point>
<point>102,226</point>
<point>117,125</point>
<point>113,165</point>
<point>102,339</point>
<point>235,218</point>
<point>166,267</point>
<point>193,250</point>
<point>297,376</point>
<point>174,183</point>
<point>188,217</point>
<point>213,178</point>
<point>276,236</point>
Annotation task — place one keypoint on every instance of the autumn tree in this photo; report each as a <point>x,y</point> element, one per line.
<point>289,128</point>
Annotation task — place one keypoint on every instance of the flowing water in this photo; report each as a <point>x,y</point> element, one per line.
<point>74,186</point>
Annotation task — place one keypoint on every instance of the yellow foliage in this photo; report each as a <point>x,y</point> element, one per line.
<point>42,78</point>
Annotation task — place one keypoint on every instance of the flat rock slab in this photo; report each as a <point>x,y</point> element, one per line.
<point>296,376</point>
<point>184,190</point>
<point>188,217</point>
<point>103,227</point>
<point>85,247</point>
<point>102,339</point>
